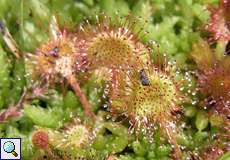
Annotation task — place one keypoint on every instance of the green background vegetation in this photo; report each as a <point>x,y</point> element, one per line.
<point>174,24</point>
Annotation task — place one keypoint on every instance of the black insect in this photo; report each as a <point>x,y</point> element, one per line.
<point>144,78</point>
<point>54,52</point>
<point>227,49</point>
<point>2,27</point>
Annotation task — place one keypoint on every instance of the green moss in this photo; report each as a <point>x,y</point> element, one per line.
<point>174,25</point>
<point>5,80</point>
<point>44,117</point>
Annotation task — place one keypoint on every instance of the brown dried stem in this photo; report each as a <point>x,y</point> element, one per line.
<point>169,131</point>
<point>76,87</point>
<point>9,40</point>
<point>13,111</point>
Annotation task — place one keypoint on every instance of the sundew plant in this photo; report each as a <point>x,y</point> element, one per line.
<point>116,79</point>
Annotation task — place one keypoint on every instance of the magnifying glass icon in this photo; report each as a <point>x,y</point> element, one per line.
<point>9,147</point>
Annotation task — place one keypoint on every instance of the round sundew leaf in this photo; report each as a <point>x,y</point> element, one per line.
<point>77,136</point>
<point>55,137</point>
<point>112,51</point>
<point>151,101</point>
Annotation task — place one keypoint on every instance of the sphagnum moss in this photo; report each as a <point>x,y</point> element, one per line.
<point>174,27</point>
